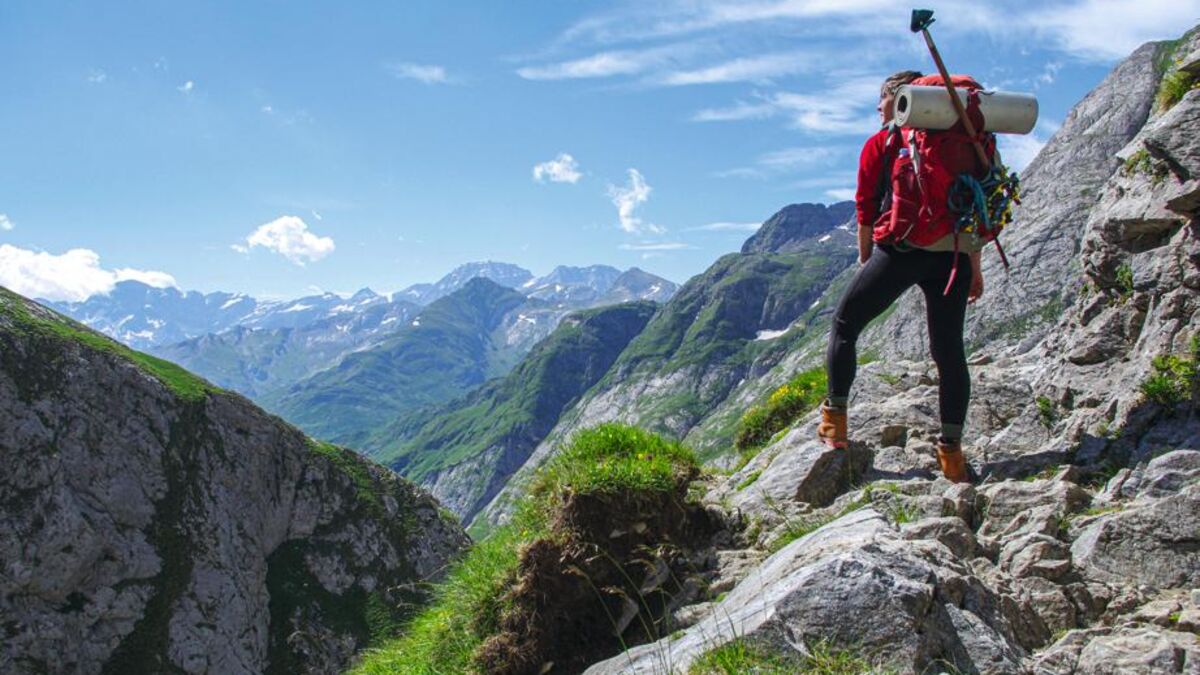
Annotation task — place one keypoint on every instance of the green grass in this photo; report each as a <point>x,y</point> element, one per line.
<point>349,463</point>
<point>1175,379</point>
<point>1173,87</point>
<point>782,408</point>
<point>608,459</point>
<point>1047,411</point>
<point>181,383</point>
<point>745,657</point>
<point>749,480</point>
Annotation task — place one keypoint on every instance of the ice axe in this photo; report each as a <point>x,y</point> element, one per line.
<point>921,18</point>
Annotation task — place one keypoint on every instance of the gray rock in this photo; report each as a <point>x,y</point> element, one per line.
<point>803,470</point>
<point>918,605</point>
<point>1155,543</point>
<point>951,532</point>
<point>1140,650</point>
<point>138,527</point>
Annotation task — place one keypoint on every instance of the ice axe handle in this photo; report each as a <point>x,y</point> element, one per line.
<point>927,15</point>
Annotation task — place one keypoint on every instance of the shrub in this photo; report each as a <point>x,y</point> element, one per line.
<point>1125,279</point>
<point>783,407</point>
<point>1173,87</point>
<point>1047,411</point>
<point>1174,380</point>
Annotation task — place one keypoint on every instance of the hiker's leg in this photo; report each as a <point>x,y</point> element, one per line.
<point>945,315</point>
<point>876,286</point>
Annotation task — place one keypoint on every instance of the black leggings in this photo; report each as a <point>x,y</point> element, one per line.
<point>879,283</point>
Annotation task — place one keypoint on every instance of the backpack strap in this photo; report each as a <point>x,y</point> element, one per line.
<point>883,187</point>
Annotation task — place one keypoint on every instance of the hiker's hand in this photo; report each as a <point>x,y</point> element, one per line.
<point>976,279</point>
<point>866,244</point>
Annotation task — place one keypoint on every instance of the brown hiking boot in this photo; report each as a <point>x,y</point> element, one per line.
<point>832,427</point>
<point>950,457</point>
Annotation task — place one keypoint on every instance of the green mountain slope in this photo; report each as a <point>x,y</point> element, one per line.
<point>466,449</point>
<point>445,351</point>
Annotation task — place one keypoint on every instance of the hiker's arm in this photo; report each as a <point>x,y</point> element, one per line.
<point>866,243</point>
<point>976,278</point>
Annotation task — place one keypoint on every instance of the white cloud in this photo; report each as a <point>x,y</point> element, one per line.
<point>427,74</point>
<point>289,237</point>
<point>606,64</point>
<point>561,169</point>
<point>1018,152</point>
<point>846,107</point>
<point>627,199</point>
<point>186,87</point>
<point>729,227</point>
<point>1107,30</point>
<point>97,76</point>
<point>788,160</point>
<point>747,69</point>
<point>842,194</point>
<point>659,246</point>
<point>6,223</point>
<point>73,276</point>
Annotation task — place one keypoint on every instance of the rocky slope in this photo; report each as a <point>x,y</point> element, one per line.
<point>465,450</point>
<point>1079,552</point>
<point>152,523</point>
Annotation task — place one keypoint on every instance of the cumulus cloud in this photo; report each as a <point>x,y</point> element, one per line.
<point>842,194</point>
<point>428,74</point>
<point>73,276</point>
<point>97,76</point>
<point>6,223</point>
<point>561,169</point>
<point>187,87</point>
<point>627,199</point>
<point>289,237</point>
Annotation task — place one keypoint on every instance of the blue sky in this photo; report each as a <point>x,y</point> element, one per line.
<point>275,148</point>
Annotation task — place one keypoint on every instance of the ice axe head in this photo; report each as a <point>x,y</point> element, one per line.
<point>921,18</point>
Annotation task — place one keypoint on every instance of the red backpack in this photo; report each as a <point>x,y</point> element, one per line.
<point>940,188</point>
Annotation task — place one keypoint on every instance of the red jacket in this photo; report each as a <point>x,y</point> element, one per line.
<point>871,184</point>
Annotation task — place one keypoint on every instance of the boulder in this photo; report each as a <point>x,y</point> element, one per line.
<point>1155,543</point>
<point>854,583</point>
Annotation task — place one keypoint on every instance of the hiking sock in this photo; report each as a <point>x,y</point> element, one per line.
<point>837,402</point>
<point>952,433</point>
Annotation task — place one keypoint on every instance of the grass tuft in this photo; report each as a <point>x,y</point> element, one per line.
<point>783,407</point>
<point>742,657</point>
<point>445,637</point>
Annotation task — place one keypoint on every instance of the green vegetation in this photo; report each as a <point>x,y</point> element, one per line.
<point>749,480</point>
<point>903,513</point>
<point>783,407</point>
<point>745,657</point>
<point>1175,379</point>
<point>1047,411</point>
<point>49,325</point>
<point>467,606</point>
<point>448,352</point>
<point>1143,163</point>
<point>516,411</point>
<point>1173,87</point>
<point>1125,280</point>
<point>348,462</point>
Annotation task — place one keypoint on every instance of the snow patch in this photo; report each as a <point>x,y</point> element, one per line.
<point>298,307</point>
<point>830,236</point>
<point>238,298</point>
<point>769,334</point>
<point>416,322</point>
<point>818,300</point>
<point>391,319</point>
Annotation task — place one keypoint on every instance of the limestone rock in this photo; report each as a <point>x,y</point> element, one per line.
<point>1155,543</point>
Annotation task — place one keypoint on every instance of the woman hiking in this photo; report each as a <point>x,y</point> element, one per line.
<point>887,271</point>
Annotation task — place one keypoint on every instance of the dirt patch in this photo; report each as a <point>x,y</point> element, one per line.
<point>607,580</point>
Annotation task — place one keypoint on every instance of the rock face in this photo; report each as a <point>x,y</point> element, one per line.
<point>153,524</point>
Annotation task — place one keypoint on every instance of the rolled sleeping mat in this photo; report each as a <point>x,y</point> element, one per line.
<point>930,108</point>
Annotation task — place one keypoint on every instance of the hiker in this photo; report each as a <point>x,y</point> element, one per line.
<point>888,267</point>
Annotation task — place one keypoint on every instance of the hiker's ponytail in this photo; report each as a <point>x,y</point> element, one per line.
<point>893,83</point>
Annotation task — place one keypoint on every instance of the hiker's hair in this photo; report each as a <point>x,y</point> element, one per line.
<point>893,83</point>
